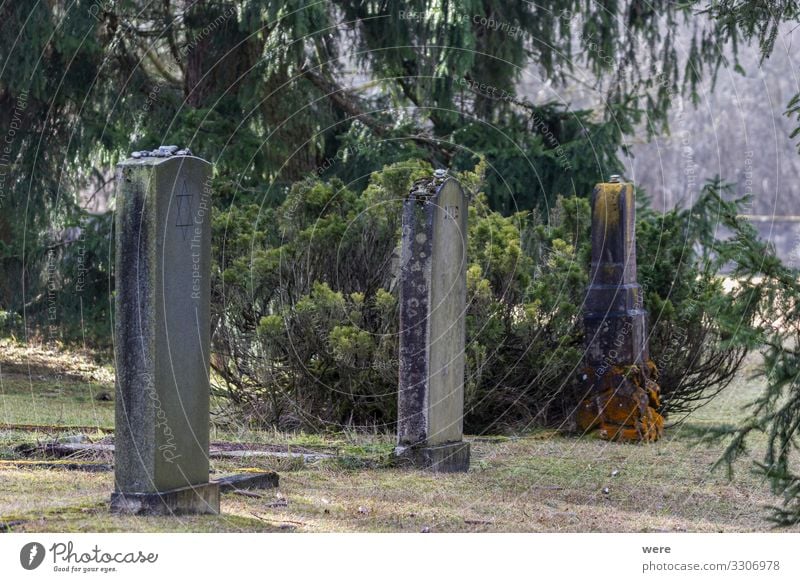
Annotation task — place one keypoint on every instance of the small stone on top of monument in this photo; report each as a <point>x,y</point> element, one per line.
<point>162,152</point>
<point>426,188</point>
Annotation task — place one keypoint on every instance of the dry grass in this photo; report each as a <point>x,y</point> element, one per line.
<point>539,482</point>
<point>45,386</point>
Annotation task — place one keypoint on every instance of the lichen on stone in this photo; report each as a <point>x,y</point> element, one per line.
<point>425,188</point>
<point>623,405</point>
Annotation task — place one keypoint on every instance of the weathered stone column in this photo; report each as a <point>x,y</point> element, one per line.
<point>622,395</point>
<point>432,330</point>
<point>162,334</point>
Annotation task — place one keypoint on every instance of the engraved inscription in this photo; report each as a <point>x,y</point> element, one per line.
<point>452,212</point>
<point>183,220</point>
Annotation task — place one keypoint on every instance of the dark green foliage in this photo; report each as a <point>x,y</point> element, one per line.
<point>768,295</point>
<point>538,155</point>
<point>73,304</point>
<point>768,292</point>
<point>744,19</point>
<point>526,283</point>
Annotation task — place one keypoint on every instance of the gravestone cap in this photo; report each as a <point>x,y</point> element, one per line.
<point>162,152</point>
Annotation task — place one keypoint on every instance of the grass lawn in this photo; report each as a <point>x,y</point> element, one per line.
<point>537,482</point>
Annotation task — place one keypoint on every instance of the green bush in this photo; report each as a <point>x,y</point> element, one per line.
<point>698,331</point>
<point>305,317</point>
<point>305,306</point>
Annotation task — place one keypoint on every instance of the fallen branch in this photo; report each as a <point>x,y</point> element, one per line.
<point>68,465</point>
<point>246,493</point>
<point>280,521</point>
<point>53,428</point>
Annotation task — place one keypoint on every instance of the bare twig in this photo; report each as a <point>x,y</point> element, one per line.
<point>246,493</point>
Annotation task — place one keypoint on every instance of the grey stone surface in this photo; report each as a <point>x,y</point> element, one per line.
<point>432,309</point>
<point>306,457</point>
<point>71,448</point>
<point>614,317</point>
<point>265,480</point>
<point>162,328</point>
<point>446,458</point>
<point>196,499</point>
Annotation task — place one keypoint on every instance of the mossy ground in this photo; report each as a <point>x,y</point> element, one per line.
<point>540,481</point>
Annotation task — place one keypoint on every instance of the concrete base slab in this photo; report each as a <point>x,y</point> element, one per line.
<point>446,458</point>
<point>197,499</point>
<point>306,457</point>
<point>265,480</point>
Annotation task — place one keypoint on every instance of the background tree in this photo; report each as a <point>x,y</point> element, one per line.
<point>772,291</point>
<point>273,91</point>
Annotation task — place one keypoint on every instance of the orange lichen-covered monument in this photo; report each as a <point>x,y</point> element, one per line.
<point>622,395</point>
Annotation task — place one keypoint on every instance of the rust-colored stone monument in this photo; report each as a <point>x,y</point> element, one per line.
<point>622,395</point>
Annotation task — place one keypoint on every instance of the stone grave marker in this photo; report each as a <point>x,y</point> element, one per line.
<point>620,378</point>
<point>162,334</point>
<point>432,330</point>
